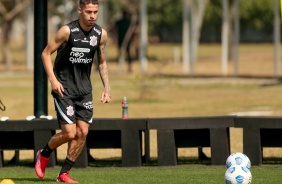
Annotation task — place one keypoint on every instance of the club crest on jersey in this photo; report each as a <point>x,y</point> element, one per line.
<point>93,40</point>
<point>70,111</point>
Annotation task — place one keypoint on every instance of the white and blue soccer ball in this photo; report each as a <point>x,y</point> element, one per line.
<point>238,175</point>
<point>238,159</point>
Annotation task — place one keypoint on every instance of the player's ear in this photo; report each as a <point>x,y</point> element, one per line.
<point>79,10</point>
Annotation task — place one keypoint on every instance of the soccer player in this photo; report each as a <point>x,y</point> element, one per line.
<point>120,28</point>
<point>76,44</point>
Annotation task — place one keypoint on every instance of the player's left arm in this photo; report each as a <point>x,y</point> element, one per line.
<point>103,68</point>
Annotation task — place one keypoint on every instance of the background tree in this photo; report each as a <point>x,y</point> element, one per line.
<point>132,9</point>
<point>197,15</point>
<point>9,11</point>
<point>164,20</point>
<point>256,21</point>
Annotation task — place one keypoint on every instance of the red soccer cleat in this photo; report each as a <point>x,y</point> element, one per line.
<point>65,178</point>
<point>40,165</point>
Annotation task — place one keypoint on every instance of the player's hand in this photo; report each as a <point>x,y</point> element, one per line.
<point>106,97</point>
<point>57,87</point>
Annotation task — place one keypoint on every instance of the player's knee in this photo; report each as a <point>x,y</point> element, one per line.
<point>82,133</point>
<point>70,135</point>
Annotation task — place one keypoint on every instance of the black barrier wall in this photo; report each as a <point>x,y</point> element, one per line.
<point>172,133</point>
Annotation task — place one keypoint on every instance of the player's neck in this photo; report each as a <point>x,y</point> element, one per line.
<point>84,26</point>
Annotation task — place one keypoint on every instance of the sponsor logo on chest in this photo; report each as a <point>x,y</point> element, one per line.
<point>79,55</point>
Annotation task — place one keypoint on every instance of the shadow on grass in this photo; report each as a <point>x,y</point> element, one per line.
<point>272,160</point>
<point>193,161</point>
<point>13,163</point>
<point>108,162</point>
<point>117,162</point>
<point>34,180</point>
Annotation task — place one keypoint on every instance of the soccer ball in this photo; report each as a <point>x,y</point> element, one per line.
<point>238,159</point>
<point>238,175</point>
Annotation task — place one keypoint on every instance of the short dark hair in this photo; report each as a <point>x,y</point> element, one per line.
<point>85,2</point>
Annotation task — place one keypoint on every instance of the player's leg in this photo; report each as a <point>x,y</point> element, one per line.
<point>84,116</point>
<point>129,58</point>
<point>68,133</point>
<point>65,116</point>
<point>75,148</point>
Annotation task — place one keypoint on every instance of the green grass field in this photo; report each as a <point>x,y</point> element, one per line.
<point>163,92</point>
<point>183,174</point>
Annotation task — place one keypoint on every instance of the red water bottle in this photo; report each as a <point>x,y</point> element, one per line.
<point>124,105</point>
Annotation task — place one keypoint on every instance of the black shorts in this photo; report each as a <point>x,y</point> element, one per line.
<point>70,109</point>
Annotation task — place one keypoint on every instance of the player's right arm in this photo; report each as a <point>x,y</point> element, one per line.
<point>59,39</point>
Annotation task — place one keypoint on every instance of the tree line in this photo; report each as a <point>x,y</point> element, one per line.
<point>165,18</point>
